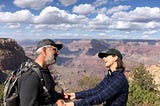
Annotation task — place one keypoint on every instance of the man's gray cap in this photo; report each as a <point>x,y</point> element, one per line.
<point>46,42</point>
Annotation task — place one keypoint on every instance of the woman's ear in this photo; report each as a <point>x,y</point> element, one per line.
<point>115,58</point>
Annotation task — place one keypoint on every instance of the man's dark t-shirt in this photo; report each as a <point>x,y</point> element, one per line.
<point>30,89</point>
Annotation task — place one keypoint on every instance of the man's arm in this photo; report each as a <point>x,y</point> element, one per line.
<point>29,88</point>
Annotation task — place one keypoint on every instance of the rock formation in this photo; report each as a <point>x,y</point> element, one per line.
<point>11,54</point>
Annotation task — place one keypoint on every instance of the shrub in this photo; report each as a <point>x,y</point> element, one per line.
<point>142,89</point>
<point>88,82</point>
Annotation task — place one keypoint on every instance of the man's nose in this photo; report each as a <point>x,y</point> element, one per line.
<point>57,53</point>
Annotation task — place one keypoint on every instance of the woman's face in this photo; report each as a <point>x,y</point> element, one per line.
<point>109,60</point>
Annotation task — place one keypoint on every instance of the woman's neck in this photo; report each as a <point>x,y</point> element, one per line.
<point>113,66</point>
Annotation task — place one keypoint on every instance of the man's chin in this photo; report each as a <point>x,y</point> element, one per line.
<point>51,63</point>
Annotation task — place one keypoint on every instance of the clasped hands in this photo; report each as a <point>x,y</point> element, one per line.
<point>67,96</point>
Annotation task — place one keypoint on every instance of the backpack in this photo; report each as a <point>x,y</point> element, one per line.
<point>11,96</point>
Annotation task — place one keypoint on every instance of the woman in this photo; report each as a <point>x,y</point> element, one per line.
<point>112,90</point>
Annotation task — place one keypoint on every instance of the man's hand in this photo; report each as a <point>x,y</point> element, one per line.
<point>60,102</point>
<point>69,96</point>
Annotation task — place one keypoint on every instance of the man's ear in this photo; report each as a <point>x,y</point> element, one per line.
<point>43,51</point>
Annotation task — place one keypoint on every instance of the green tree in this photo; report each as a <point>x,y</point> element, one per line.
<point>142,89</point>
<point>88,82</point>
<point>142,77</point>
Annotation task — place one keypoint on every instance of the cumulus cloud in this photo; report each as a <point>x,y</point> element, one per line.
<point>13,25</point>
<point>149,32</point>
<point>140,14</point>
<point>100,19</point>
<point>84,9</point>
<point>35,4</point>
<point>117,9</point>
<point>102,10</point>
<point>19,16</point>
<point>101,22</point>
<point>116,18</point>
<point>139,19</point>
<point>67,2</point>
<point>50,18</point>
<point>121,25</point>
<point>53,15</point>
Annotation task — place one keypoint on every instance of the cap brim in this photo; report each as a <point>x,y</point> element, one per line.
<point>101,55</point>
<point>59,46</point>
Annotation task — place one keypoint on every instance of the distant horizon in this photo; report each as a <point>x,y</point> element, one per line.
<point>74,39</point>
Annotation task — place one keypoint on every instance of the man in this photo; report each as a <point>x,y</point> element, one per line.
<point>112,90</point>
<point>31,92</point>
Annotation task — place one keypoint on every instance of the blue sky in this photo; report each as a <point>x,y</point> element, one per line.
<point>81,19</point>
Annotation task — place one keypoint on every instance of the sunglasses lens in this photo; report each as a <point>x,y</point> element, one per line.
<point>55,49</point>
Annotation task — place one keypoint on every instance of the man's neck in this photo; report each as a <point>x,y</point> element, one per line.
<point>40,61</point>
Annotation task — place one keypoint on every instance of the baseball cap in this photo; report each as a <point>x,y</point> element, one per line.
<point>110,52</point>
<point>46,42</point>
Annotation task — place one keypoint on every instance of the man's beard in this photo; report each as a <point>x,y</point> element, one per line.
<point>50,59</point>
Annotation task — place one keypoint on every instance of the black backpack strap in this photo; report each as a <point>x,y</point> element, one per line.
<point>45,90</point>
<point>39,75</point>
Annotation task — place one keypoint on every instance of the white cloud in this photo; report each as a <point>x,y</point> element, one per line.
<point>150,32</point>
<point>117,9</point>
<point>140,14</point>
<point>139,19</point>
<point>13,25</point>
<point>101,22</point>
<point>49,18</point>
<point>53,15</point>
<point>120,25</point>
<point>83,9</point>
<point>102,34</point>
<point>100,19</point>
<point>19,16</point>
<point>150,25</point>
<point>102,10</point>
<point>67,2</point>
<point>52,18</point>
<point>35,4</point>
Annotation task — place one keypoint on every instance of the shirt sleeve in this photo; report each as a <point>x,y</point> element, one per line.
<point>108,92</point>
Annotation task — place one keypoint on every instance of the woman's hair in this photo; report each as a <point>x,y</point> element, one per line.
<point>120,64</point>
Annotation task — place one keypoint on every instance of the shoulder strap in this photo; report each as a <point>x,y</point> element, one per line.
<point>39,75</point>
<point>45,90</point>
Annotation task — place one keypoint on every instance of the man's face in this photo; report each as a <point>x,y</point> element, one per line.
<point>51,54</point>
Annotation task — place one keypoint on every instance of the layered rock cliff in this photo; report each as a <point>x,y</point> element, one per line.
<point>11,54</point>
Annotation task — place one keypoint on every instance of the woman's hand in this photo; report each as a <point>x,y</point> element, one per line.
<point>69,104</point>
